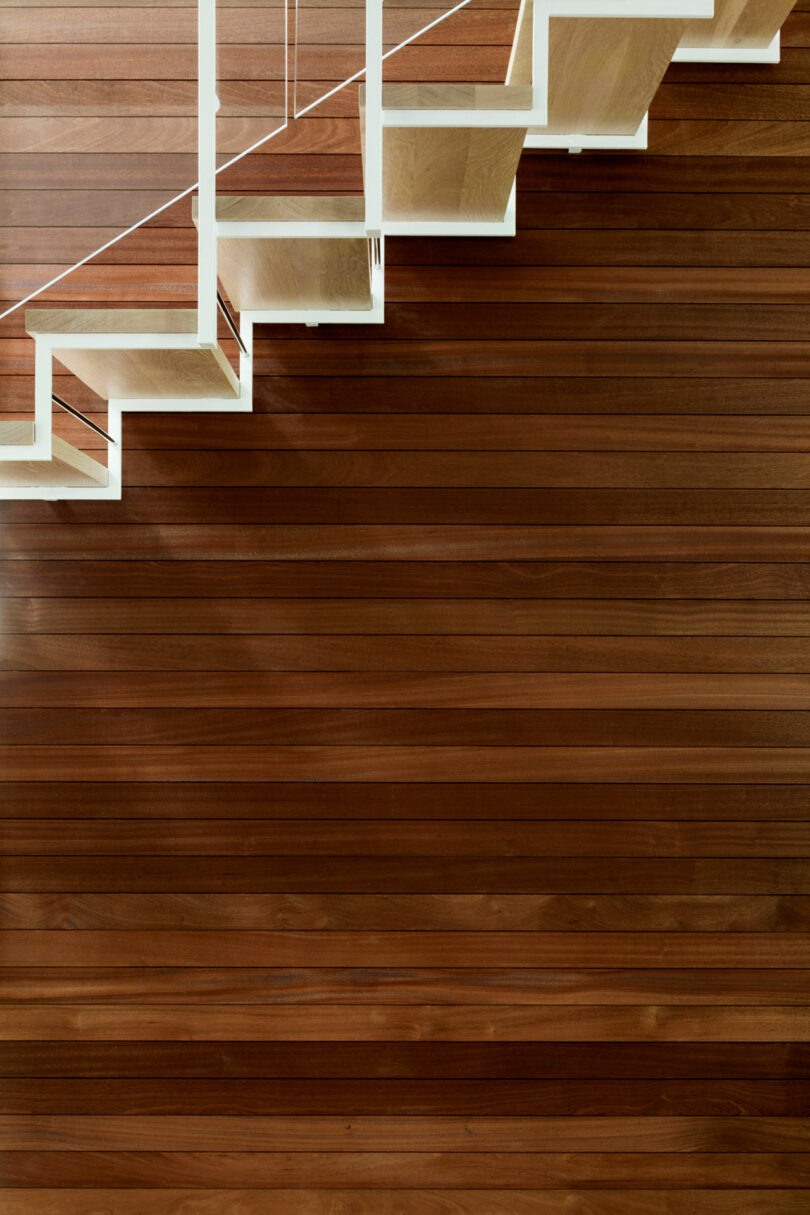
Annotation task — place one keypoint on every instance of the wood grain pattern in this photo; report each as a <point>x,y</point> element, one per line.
<point>450,174</point>
<point>190,1133</point>
<point>586,94</point>
<point>468,801</point>
<point>294,274</point>
<point>423,1202</point>
<point>376,579</point>
<point>755,765</point>
<point>407,874</point>
<point>739,25</point>
<point>483,1170</point>
<point>411,1098</point>
<point>54,615</point>
<point>410,948</point>
<point>203,986</point>
<point>280,837</point>
<point>518,913</point>
<point>634,655</point>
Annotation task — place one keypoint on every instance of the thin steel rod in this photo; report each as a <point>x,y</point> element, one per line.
<point>207,106</point>
<point>226,312</point>
<point>76,413</point>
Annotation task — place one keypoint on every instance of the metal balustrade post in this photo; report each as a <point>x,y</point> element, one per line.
<point>207,106</point>
<point>540,53</point>
<point>373,124</point>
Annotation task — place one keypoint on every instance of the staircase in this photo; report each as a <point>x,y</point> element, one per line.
<point>438,160</point>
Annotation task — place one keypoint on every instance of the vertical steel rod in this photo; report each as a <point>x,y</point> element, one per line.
<point>374,134</point>
<point>207,106</point>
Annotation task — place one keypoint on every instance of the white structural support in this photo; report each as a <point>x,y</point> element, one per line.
<point>540,46</point>
<point>462,227</point>
<point>40,446</point>
<point>281,229</point>
<point>730,54</point>
<point>579,141</point>
<point>207,106</point>
<point>685,10</point>
<point>457,118</point>
<point>373,160</point>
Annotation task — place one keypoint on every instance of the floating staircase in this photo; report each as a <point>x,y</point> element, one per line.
<point>438,160</point>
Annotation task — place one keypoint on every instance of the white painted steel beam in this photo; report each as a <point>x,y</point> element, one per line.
<point>373,159</point>
<point>461,227</point>
<point>207,106</point>
<point>578,141</point>
<point>730,54</point>
<point>298,229</point>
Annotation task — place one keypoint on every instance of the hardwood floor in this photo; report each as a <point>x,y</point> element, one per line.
<point>406,785</point>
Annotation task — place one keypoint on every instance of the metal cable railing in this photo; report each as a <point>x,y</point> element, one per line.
<point>76,413</point>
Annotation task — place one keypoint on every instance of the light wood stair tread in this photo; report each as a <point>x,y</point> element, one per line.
<point>586,92</point>
<point>16,432</point>
<point>426,96</point>
<point>282,208</point>
<point>67,466</point>
<point>111,320</point>
<point>739,24</point>
<point>154,372</point>
<point>296,273</point>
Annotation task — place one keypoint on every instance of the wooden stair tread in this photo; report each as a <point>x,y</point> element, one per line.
<point>283,208</point>
<point>296,273</point>
<point>586,94</point>
<point>16,432</point>
<point>67,467</point>
<point>111,320</point>
<point>168,374</point>
<point>739,24</point>
<point>426,96</point>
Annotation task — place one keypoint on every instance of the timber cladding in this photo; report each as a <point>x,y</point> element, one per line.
<point>406,785</point>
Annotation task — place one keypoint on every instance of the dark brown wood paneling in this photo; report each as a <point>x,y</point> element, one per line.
<point>380,874</point>
<point>405,786</point>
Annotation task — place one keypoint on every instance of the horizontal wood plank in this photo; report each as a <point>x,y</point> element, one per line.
<point>189,1133</point>
<point>447,913</point>
<point>412,1098</point>
<point>422,1202</point>
<point>484,1170</point>
<point>464,950</point>
<point>205,986</point>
